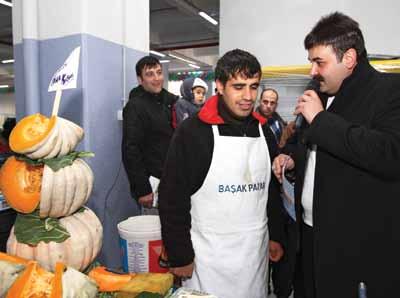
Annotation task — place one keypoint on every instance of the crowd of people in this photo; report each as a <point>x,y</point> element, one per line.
<point>220,165</point>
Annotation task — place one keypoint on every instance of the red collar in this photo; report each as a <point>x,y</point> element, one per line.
<point>209,113</point>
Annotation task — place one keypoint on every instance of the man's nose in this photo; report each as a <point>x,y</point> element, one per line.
<point>159,76</point>
<point>314,70</point>
<point>247,93</point>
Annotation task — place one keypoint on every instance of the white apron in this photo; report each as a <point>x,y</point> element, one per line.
<point>229,220</point>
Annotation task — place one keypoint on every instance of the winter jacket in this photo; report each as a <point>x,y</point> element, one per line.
<point>356,204</point>
<point>185,106</point>
<point>187,165</point>
<point>273,120</point>
<point>147,131</point>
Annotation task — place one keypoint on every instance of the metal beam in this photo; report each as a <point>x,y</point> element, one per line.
<point>183,47</point>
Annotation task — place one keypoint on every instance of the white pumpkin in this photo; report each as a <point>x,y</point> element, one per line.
<point>78,251</point>
<point>76,284</point>
<point>66,190</point>
<point>9,272</point>
<point>63,139</point>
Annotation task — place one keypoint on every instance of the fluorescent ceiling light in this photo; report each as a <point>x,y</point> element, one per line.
<point>165,61</point>
<point>6,3</point>
<point>4,86</point>
<point>208,18</point>
<point>194,65</point>
<point>7,61</point>
<point>157,53</point>
<point>180,58</point>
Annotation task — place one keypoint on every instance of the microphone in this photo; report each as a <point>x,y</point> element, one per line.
<point>313,84</point>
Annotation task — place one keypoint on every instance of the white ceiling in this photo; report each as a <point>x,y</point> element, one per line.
<point>175,27</point>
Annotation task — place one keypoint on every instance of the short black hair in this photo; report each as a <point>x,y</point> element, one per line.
<point>339,31</point>
<point>270,89</point>
<point>146,61</point>
<point>237,62</point>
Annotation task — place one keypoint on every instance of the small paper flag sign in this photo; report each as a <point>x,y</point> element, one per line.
<point>66,76</point>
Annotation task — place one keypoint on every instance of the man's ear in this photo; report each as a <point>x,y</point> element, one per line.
<point>139,78</point>
<point>350,58</point>
<point>220,87</point>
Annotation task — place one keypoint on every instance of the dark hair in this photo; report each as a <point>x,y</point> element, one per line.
<point>270,89</point>
<point>146,61</point>
<point>339,31</point>
<point>237,62</point>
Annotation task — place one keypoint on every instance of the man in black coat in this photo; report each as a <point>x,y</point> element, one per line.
<point>147,129</point>
<point>347,167</point>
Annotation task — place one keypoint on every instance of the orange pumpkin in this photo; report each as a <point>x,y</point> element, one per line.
<point>33,282</point>
<point>21,184</point>
<point>31,132</point>
<point>38,137</point>
<point>57,288</point>
<point>108,281</point>
<point>55,194</point>
<point>13,259</point>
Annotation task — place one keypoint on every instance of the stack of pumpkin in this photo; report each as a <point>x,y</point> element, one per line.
<point>47,184</point>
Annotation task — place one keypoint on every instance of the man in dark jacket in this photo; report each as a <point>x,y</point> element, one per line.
<point>267,108</point>
<point>216,194</point>
<point>268,103</point>
<point>348,167</point>
<point>147,129</point>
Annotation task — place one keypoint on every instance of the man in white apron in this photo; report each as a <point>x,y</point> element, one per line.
<point>216,186</point>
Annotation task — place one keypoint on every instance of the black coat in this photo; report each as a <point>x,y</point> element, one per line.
<point>147,131</point>
<point>357,187</point>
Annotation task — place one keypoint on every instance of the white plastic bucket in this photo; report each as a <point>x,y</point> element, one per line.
<point>141,244</point>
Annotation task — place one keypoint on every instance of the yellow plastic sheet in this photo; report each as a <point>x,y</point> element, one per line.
<point>304,70</point>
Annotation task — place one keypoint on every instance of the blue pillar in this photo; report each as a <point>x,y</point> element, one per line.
<point>112,36</point>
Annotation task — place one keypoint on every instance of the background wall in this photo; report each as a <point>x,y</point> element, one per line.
<point>7,104</point>
<point>274,30</point>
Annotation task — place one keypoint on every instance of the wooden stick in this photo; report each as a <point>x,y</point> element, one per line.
<point>56,104</point>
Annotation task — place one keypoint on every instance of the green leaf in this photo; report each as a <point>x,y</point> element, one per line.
<point>29,161</point>
<point>31,229</point>
<point>59,162</point>
<point>80,210</point>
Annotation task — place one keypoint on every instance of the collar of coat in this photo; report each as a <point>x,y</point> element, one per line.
<point>210,115</point>
<point>362,72</point>
<point>353,86</point>
<point>163,97</point>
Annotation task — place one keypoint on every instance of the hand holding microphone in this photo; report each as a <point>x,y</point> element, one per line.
<point>308,104</point>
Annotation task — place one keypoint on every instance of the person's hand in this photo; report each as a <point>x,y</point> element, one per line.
<point>275,251</point>
<point>309,105</point>
<point>278,163</point>
<point>146,201</point>
<point>184,271</point>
